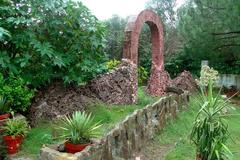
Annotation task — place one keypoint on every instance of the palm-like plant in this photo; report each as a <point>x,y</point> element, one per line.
<point>79,128</point>
<point>210,130</point>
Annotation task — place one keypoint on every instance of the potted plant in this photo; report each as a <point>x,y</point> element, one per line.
<point>4,109</point>
<point>210,131</point>
<point>78,130</point>
<point>14,132</point>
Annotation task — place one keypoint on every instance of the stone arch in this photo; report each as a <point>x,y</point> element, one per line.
<point>159,78</point>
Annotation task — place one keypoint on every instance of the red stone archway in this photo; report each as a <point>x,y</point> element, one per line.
<point>159,78</point>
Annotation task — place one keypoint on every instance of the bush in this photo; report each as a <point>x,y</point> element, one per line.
<point>46,40</point>
<point>17,94</point>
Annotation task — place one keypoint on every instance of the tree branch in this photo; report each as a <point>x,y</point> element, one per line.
<point>226,45</point>
<point>229,37</point>
<point>225,33</point>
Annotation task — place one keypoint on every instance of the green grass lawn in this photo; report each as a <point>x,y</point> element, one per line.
<point>109,115</point>
<point>176,134</point>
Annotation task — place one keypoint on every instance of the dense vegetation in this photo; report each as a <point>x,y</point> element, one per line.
<point>198,30</point>
<point>46,40</point>
<point>43,41</point>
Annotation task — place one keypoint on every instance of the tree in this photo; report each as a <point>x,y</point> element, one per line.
<point>115,36</point>
<point>45,40</point>
<point>210,30</point>
<point>166,9</point>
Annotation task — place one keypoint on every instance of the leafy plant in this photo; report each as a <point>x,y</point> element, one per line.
<point>210,131</point>
<point>4,107</point>
<point>38,30</point>
<point>142,75</point>
<point>14,89</point>
<point>15,127</point>
<point>112,64</point>
<point>79,128</point>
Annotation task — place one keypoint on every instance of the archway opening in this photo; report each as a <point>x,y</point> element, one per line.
<point>144,55</point>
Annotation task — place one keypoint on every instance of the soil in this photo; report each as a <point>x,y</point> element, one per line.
<point>153,151</point>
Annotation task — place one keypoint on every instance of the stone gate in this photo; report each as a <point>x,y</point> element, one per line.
<point>159,78</point>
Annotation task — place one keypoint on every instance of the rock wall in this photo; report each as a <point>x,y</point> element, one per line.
<point>158,82</point>
<point>129,135</point>
<point>185,81</point>
<point>117,86</point>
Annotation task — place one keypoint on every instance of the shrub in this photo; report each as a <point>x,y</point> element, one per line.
<point>46,40</point>
<point>17,94</point>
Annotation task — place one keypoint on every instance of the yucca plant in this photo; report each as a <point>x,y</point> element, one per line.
<point>79,128</point>
<point>210,130</point>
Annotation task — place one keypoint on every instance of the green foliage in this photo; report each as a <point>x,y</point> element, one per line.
<point>79,128</point>
<point>17,94</point>
<point>115,36</point>
<point>112,64</point>
<point>142,75</point>
<point>58,40</point>
<point>210,31</point>
<point>180,62</point>
<point>15,127</point>
<point>4,107</point>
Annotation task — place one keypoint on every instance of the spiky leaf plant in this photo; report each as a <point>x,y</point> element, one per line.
<point>79,128</point>
<point>210,130</point>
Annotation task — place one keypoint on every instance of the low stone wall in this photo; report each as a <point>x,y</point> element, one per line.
<point>129,135</point>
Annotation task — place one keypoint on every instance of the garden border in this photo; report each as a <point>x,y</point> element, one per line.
<point>129,135</point>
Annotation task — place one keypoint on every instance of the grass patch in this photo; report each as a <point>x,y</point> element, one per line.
<point>109,115</point>
<point>177,132</point>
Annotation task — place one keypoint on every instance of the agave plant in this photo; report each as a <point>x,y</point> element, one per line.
<point>210,130</point>
<point>79,128</point>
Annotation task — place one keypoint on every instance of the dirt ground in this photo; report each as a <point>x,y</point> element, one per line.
<point>153,151</point>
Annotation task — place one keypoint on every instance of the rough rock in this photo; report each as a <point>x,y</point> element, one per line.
<point>184,81</point>
<point>117,86</point>
<point>56,100</point>
<point>158,82</point>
